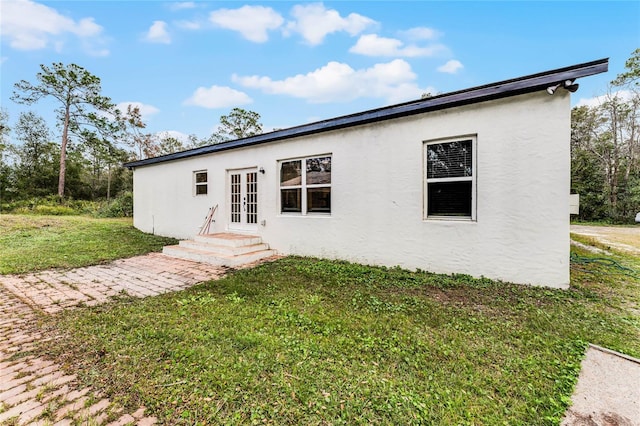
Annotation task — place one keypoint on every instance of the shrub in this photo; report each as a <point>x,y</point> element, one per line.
<point>121,206</point>
<point>53,210</point>
<point>52,205</point>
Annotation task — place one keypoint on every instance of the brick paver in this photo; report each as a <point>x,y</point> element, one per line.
<point>35,390</point>
<point>150,275</point>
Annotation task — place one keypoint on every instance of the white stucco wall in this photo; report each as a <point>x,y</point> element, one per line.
<point>523,171</point>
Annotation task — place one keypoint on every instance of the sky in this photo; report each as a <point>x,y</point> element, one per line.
<point>187,63</point>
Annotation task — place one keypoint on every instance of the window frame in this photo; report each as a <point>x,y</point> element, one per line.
<point>303,187</point>
<point>197,184</point>
<point>473,178</point>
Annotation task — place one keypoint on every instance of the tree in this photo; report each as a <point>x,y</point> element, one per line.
<point>4,141</point>
<point>96,151</point>
<point>4,134</point>
<point>632,74</point>
<point>104,158</point>
<point>4,130</point>
<point>145,144</point>
<point>115,171</point>
<point>194,142</point>
<point>169,145</point>
<point>238,124</point>
<point>587,176</point>
<point>34,134</point>
<point>625,133</point>
<point>4,169</point>
<point>78,93</point>
<point>36,170</point>
<point>605,150</point>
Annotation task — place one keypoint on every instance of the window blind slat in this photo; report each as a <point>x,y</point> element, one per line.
<point>451,159</point>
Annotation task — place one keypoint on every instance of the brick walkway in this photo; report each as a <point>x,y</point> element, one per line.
<point>38,391</point>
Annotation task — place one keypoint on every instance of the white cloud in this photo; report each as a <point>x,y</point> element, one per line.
<point>31,26</point>
<point>313,22</point>
<point>146,111</point>
<point>451,67</point>
<point>181,5</point>
<point>218,97</point>
<point>253,22</point>
<point>421,33</point>
<point>374,45</point>
<point>86,27</point>
<point>338,82</point>
<point>158,33</point>
<point>188,25</point>
<point>622,95</point>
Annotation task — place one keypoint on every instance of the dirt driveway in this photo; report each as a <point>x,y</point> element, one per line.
<point>624,238</point>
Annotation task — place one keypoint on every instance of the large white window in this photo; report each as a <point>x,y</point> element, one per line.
<point>305,185</point>
<point>200,182</point>
<point>450,175</point>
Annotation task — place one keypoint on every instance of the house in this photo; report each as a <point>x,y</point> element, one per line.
<point>475,182</point>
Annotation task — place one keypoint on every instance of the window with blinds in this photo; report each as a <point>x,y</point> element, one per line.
<point>450,179</point>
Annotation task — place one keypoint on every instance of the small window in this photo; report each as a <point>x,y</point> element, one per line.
<point>201,183</point>
<point>450,179</point>
<point>305,185</point>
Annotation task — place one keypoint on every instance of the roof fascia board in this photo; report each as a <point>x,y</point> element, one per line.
<point>503,89</point>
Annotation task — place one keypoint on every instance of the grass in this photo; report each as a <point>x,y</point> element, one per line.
<point>309,341</point>
<point>31,243</point>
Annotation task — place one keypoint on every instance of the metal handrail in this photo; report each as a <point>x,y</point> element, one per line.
<point>206,226</point>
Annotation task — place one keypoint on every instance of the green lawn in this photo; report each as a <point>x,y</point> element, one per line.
<point>29,243</point>
<point>308,341</point>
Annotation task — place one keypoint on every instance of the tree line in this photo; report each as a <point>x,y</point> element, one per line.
<point>85,161</point>
<point>605,150</point>
<point>95,139</point>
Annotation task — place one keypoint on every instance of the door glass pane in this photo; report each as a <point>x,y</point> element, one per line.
<point>291,200</point>
<point>319,200</point>
<point>291,173</point>
<point>236,202</point>
<point>252,197</point>
<point>318,170</point>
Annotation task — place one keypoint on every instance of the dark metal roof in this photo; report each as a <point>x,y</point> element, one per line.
<point>502,89</point>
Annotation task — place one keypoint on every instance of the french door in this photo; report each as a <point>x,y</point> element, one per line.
<point>243,199</point>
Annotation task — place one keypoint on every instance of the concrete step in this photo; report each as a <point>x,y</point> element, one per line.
<point>224,250</point>
<point>213,258</point>
<point>228,239</point>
